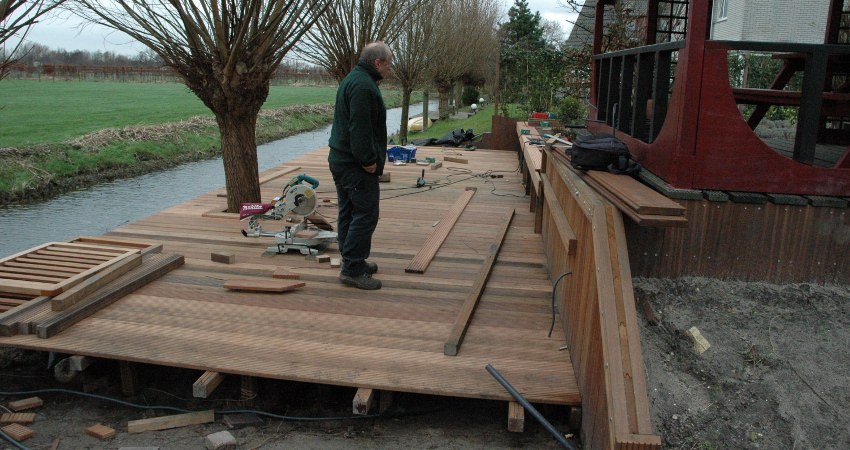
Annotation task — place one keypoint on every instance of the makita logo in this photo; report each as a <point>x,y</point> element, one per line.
<point>249,207</point>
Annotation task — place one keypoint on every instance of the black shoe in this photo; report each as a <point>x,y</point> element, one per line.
<point>364,281</point>
<point>371,268</point>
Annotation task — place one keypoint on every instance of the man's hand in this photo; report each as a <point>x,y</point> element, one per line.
<point>371,169</point>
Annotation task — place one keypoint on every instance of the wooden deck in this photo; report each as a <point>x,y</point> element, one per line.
<point>391,339</point>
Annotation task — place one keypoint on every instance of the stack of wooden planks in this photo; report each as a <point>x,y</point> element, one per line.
<point>49,288</point>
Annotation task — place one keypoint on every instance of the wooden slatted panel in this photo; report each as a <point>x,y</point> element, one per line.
<point>422,259</point>
<point>50,280</point>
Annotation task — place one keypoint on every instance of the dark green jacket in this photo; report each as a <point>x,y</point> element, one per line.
<point>359,132</point>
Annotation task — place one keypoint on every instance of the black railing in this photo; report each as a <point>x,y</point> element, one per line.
<point>818,63</point>
<point>633,88</point>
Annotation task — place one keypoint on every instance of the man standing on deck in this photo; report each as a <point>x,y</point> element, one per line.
<point>358,145</point>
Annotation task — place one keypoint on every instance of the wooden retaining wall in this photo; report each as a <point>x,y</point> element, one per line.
<point>769,242</point>
<point>585,234</point>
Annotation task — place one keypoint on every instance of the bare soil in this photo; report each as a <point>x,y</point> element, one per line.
<point>775,376</point>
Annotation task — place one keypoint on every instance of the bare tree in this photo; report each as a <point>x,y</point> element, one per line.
<point>339,35</point>
<point>225,52</point>
<point>467,35</point>
<point>16,18</point>
<point>414,50</point>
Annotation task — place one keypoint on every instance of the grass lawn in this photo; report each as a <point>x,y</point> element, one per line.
<point>481,122</point>
<point>45,112</point>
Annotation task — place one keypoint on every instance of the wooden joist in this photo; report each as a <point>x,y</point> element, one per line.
<point>463,319</point>
<point>152,268</point>
<point>206,384</point>
<point>516,417</point>
<point>364,399</point>
<point>423,258</point>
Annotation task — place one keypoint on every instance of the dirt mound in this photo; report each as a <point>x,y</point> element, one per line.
<point>775,376</point>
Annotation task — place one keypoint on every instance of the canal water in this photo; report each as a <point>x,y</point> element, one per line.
<point>102,208</point>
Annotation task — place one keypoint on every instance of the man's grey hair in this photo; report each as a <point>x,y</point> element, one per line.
<point>373,51</point>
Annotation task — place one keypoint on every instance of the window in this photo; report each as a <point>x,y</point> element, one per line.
<point>722,9</point>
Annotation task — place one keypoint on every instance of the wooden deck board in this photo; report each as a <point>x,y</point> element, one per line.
<point>325,332</point>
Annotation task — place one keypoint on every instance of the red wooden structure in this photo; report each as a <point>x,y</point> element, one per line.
<point>673,104</point>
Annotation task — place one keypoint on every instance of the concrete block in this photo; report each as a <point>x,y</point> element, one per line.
<point>221,440</point>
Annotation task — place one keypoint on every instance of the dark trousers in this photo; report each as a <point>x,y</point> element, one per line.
<point>358,195</point>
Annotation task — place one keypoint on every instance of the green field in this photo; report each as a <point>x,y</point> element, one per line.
<point>38,112</point>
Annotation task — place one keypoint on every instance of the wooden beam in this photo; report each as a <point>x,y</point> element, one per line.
<point>129,378</point>
<point>248,391</point>
<point>423,258</point>
<point>77,293</point>
<point>566,232</point>
<point>167,422</point>
<point>79,363</point>
<point>364,399</point>
<point>516,417</point>
<point>206,384</point>
<point>10,320</point>
<point>153,267</point>
<point>462,322</point>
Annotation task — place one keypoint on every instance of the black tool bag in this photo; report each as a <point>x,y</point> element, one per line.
<point>602,151</point>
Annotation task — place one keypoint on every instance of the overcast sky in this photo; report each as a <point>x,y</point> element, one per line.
<point>63,33</point>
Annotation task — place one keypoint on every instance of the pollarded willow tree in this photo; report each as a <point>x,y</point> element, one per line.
<point>225,52</point>
<point>414,50</point>
<point>466,37</point>
<point>336,40</point>
<point>16,18</point>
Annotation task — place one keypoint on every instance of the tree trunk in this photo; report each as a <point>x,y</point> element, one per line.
<point>405,111</point>
<point>426,115</point>
<point>443,93</point>
<point>239,154</point>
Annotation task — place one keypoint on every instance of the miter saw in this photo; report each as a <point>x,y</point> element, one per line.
<point>297,202</point>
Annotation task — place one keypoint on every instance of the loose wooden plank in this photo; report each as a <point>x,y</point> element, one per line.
<point>10,320</point>
<point>152,268</point>
<point>423,258</point>
<point>18,432</point>
<point>22,418</point>
<point>77,293</point>
<point>248,284</point>
<point>455,159</point>
<point>267,176</point>
<point>462,322</point>
<point>285,274</point>
<point>27,403</point>
<point>640,197</point>
<point>206,384</point>
<point>100,431</point>
<point>167,422</point>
